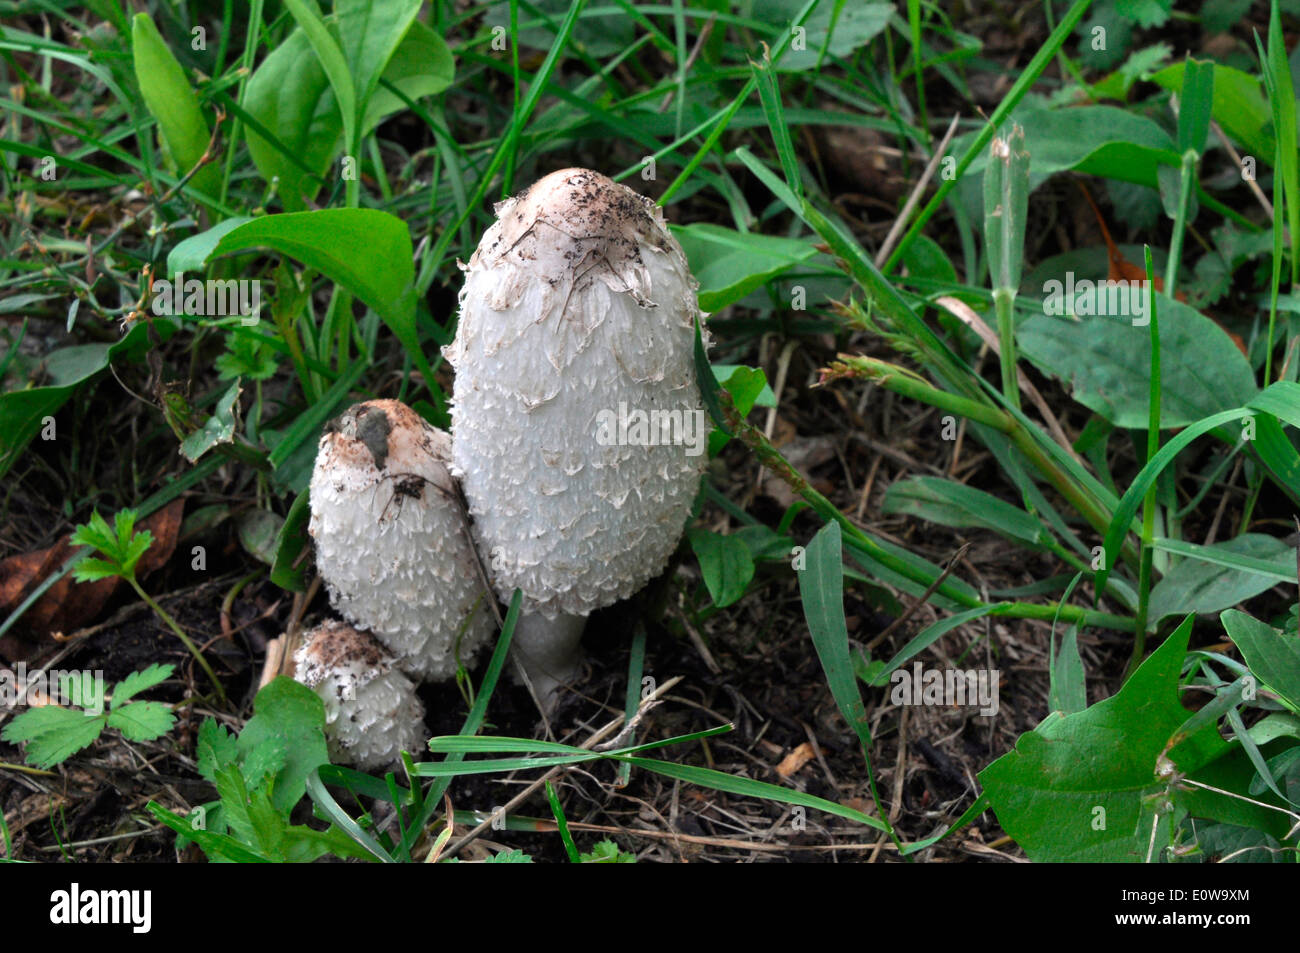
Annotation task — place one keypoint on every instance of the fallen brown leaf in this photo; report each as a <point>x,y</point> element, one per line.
<point>795,760</point>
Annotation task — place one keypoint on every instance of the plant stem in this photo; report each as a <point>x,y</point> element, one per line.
<point>909,385</point>
<point>1004,300</point>
<point>1153,447</point>
<point>771,458</point>
<point>180,633</point>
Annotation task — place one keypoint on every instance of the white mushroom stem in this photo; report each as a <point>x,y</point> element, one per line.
<point>549,651</point>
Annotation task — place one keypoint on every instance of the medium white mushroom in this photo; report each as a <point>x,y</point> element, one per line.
<point>371,710</point>
<point>578,430</point>
<point>391,538</point>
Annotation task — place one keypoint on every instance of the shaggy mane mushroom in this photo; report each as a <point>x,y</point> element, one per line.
<point>578,311</point>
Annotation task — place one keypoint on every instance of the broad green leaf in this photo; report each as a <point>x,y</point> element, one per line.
<point>925,258</point>
<point>192,254</point>
<point>949,503</point>
<point>367,251</point>
<point>1104,141</point>
<point>1274,726</point>
<point>1083,787</point>
<point>287,569</point>
<point>28,411</point>
<point>290,714</point>
<point>1273,655</point>
<point>857,23</point>
<point>171,101</point>
<point>258,531</point>
<point>291,97</point>
<point>219,428</point>
<point>1105,362</point>
<point>369,32</point>
<point>723,373</point>
<point>1239,106</point>
<point>821,589</point>
<point>1216,577</point>
<point>745,385</point>
<point>729,264</point>
<point>725,563</point>
<point>1234,844</point>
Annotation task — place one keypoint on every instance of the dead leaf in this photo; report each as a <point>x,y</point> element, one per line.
<point>795,760</point>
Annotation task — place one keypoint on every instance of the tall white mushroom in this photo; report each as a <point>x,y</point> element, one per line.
<point>578,430</point>
<point>371,711</point>
<point>391,539</point>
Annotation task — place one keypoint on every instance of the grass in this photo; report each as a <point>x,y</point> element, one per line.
<point>128,152</point>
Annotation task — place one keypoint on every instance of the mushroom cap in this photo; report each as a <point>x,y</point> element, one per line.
<point>391,541</point>
<point>371,710</point>
<point>578,310</point>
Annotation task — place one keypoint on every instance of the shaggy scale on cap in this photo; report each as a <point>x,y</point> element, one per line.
<point>371,710</point>
<point>390,538</point>
<point>578,301</point>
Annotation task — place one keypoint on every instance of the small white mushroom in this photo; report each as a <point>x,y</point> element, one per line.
<point>391,538</point>
<point>371,710</point>
<point>578,430</point>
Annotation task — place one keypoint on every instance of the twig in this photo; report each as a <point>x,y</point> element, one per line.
<point>925,597</point>
<point>912,200</point>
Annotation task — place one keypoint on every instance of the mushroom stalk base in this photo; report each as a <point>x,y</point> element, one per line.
<point>550,652</point>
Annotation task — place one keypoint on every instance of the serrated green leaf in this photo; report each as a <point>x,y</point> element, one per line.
<point>92,570</point>
<point>291,714</point>
<point>217,846</point>
<point>142,721</point>
<point>137,682</point>
<point>217,748</point>
<point>95,532</point>
<point>53,734</point>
